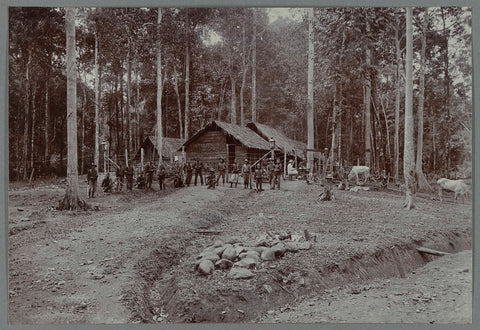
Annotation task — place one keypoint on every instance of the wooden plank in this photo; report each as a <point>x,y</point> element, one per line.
<point>430,251</point>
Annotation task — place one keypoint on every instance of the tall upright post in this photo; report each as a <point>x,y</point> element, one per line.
<point>310,128</point>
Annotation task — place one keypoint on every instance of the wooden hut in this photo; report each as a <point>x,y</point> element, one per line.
<point>223,140</point>
<point>171,150</point>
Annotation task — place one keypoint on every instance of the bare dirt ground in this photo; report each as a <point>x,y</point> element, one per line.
<point>132,259</point>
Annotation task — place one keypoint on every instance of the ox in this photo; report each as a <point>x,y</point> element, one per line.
<point>459,187</point>
<point>356,170</point>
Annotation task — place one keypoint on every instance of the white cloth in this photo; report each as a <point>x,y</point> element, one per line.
<point>291,170</point>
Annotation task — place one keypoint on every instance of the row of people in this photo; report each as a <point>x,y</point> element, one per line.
<point>184,175</point>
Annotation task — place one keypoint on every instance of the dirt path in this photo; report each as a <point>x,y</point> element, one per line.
<point>134,256</point>
<point>440,292</point>
<point>79,275</point>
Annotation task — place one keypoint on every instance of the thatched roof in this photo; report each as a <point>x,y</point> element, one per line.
<point>242,134</point>
<point>170,146</point>
<point>281,140</point>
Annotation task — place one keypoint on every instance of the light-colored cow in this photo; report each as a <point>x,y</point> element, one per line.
<point>459,187</point>
<point>356,170</point>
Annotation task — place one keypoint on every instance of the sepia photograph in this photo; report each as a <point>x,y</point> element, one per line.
<point>306,165</point>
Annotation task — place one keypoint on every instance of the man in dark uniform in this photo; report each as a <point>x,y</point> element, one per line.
<point>221,171</point>
<point>129,177</point>
<point>120,174</point>
<point>246,175</point>
<point>148,175</point>
<point>92,181</point>
<point>271,174</point>
<point>277,172</point>
<point>211,179</point>
<point>107,183</point>
<point>161,177</point>
<point>234,176</point>
<point>198,172</point>
<point>187,168</point>
<point>258,177</point>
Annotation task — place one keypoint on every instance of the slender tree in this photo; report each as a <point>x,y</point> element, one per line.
<point>422,180</point>
<point>254,66</point>
<point>187,76</point>
<point>97,100</point>
<point>408,149</point>
<point>368,96</point>
<point>311,54</point>
<point>159,89</point>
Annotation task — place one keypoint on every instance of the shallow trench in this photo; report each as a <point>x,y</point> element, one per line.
<point>247,304</point>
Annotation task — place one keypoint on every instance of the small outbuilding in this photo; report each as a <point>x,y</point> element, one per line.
<point>171,150</point>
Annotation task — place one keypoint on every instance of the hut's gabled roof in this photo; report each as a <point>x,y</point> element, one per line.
<point>242,134</point>
<point>169,146</point>
<point>281,140</point>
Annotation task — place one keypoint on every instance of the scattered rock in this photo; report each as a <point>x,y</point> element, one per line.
<point>258,249</point>
<point>295,246</point>
<point>219,250</point>
<point>21,209</point>
<point>233,240</point>
<point>247,263</point>
<point>25,219</point>
<point>250,254</point>
<point>230,253</point>
<point>239,249</point>
<point>206,267</point>
<point>240,273</point>
<point>279,250</point>
<point>284,236</point>
<point>209,256</point>
<point>223,264</point>
<point>268,254</point>
<point>217,243</point>
<point>61,282</point>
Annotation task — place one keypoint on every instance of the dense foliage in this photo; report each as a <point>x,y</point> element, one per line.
<point>220,48</point>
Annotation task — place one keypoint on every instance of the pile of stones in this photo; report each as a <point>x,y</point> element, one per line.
<point>239,258</point>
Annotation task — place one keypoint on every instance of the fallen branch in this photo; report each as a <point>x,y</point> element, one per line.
<point>208,231</point>
<point>422,249</point>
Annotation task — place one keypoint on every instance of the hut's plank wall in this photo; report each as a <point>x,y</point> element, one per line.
<point>208,148</point>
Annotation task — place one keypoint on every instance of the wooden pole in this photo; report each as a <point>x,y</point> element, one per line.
<point>141,157</point>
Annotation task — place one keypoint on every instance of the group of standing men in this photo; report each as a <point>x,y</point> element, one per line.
<point>251,173</point>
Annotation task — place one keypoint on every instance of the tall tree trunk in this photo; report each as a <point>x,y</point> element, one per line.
<point>159,90</point>
<point>447,93</point>
<point>396,139</point>
<point>220,102</point>
<point>187,78</point>
<point>368,97</point>
<point>422,180</point>
<point>310,128</point>
<point>175,87</point>
<point>84,109</point>
<point>71,199</point>
<point>122,113</point>
<point>129,97</point>
<point>244,77</point>
<point>233,99</point>
<point>137,104</point>
<point>254,67</point>
<point>32,136</point>
<point>408,149</point>
<point>47,119</point>
<point>97,102</point>
<point>27,115</point>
